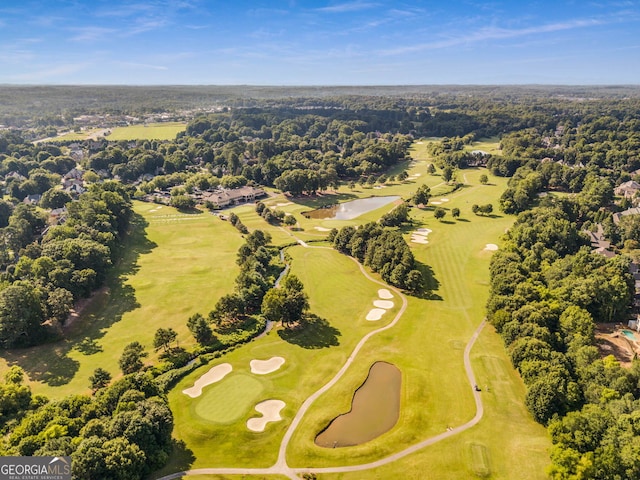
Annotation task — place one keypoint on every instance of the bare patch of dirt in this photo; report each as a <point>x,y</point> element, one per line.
<point>611,341</point>
<point>81,305</point>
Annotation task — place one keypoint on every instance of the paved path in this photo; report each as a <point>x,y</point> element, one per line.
<point>281,467</point>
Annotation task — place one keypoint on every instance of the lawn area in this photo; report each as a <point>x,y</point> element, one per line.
<point>490,145</point>
<point>151,131</point>
<point>178,264</point>
<point>427,345</point>
<point>327,275</point>
<point>165,277</point>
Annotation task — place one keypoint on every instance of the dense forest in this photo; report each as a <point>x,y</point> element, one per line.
<point>67,207</point>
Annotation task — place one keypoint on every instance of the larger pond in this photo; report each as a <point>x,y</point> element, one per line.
<point>375,409</point>
<point>352,209</point>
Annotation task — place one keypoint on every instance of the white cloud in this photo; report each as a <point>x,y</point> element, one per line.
<point>90,34</point>
<point>46,73</point>
<point>347,7</point>
<point>144,66</point>
<point>493,33</point>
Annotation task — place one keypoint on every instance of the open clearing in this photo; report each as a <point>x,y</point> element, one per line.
<point>151,131</point>
<point>168,276</point>
<point>427,345</point>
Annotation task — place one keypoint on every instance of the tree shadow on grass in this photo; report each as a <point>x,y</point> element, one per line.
<point>429,281</point>
<point>50,363</point>
<point>180,460</point>
<point>88,346</point>
<point>314,333</point>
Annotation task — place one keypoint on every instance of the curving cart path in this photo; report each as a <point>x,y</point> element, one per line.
<point>281,467</point>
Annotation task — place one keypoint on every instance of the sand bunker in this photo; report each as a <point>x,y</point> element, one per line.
<point>214,375</point>
<point>270,409</point>
<point>444,200</point>
<point>262,367</point>
<point>386,304</point>
<point>436,203</point>
<point>420,236</point>
<point>283,204</point>
<point>491,246</point>
<point>322,229</point>
<point>419,239</point>
<point>375,314</point>
<point>384,293</point>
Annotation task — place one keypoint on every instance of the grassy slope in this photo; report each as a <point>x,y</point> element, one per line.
<point>152,131</point>
<point>428,341</point>
<point>325,348</point>
<point>171,275</point>
<point>165,278</point>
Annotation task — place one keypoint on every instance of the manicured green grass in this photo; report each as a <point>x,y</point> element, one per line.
<point>490,145</point>
<point>151,131</point>
<point>427,345</point>
<point>341,297</point>
<point>166,276</point>
<point>228,400</point>
<point>180,264</point>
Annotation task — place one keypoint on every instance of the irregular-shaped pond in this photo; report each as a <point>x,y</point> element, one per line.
<point>352,209</point>
<point>375,409</point>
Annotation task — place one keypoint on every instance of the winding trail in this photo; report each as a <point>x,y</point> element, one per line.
<point>282,468</point>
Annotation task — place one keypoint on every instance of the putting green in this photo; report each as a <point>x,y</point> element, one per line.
<point>229,400</point>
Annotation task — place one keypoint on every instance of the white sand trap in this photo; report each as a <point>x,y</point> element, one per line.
<point>491,246</point>
<point>283,204</point>
<point>444,200</point>
<point>322,229</point>
<point>214,375</point>
<point>262,367</point>
<point>419,143</point>
<point>375,314</point>
<point>424,231</point>
<point>417,174</point>
<point>419,239</point>
<point>384,293</point>
<point>270,409</point>
<point>436,203</point>
<point>386,304</point>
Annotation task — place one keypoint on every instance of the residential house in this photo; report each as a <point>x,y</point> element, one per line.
<point>628,211</point>
<point>15,175</point>
<point>32,199</point>
<point>627,189</point>
<point>73,174</point>
<point>599,243</point>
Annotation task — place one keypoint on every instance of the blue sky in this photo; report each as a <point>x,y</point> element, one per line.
<point>331,42</point>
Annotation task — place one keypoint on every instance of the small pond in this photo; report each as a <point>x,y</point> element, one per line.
<point>375,409</point>
<point>349,210</point>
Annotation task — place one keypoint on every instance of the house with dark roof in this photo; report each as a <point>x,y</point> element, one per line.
<point>32,199</point>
